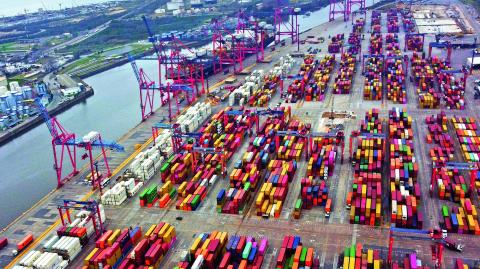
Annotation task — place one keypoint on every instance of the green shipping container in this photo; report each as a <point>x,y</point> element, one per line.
<point>445,211</point>
<point>195,200</point>
<point>298,204</point>
<point>303,256</point>
<point>246,250</point>
<point>164,167</point>
<point>172,193</point>
<point>247,186</point>
<point>352,251</point>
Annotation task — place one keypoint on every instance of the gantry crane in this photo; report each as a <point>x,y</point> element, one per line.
<point>255,113</point>
<point>91,206</point>
<point>177,134</point>
<point>441,45</point>
<point>463,71</point>
<point>364,135</point>
<point>221,152</point>
<point>68,142</point>
<point>435,234</point>
<point>472,167</point>
<point>337,134</point>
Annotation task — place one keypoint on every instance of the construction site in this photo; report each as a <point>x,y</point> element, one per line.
<point>350,145</point>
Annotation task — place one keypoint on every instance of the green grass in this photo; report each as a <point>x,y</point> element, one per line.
<point>12,47</point>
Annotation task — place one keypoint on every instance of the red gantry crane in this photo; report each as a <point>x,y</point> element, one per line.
<point>65,144</point>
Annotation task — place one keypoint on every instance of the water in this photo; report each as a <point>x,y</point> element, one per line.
<point>26,164</point>
<point>15,7</point>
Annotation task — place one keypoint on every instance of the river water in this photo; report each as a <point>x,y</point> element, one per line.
<point>26,163</point>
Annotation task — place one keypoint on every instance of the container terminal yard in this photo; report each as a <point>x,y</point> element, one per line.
<point>355,146</point>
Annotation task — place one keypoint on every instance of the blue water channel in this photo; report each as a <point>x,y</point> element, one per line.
<point>26,164</point>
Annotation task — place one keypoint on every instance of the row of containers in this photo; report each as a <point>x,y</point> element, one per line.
<point>129,248</point>
<point>150,161</point>
<point>312,79</point>
<point>336,43</point>
<point>250,172</point>
<point>405,191</point>
<point>365,199</point>
<point>376,22</point>
<point>314,189</point>
<point>296,89</point>
<point>318,83</point>
<point>60,249</point>
<point>195,173</point>
<point>281,169</point>
<point>407,20</point>
<point>394,70</point>
<point>392,21</point>
<point>344,78</point>
<point>355,38</point>
<point>218,250</point>
<point>358,256</point>
<point>451,185</point>
<point>435,80</point>
<point>259,87</point>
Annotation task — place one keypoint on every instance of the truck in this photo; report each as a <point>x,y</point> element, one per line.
<point>452,245</point>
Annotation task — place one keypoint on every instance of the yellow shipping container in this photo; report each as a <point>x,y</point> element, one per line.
<point>85,262</point>
<point>150,230</point>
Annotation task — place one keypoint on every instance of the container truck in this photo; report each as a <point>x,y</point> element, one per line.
<point>453,246</point>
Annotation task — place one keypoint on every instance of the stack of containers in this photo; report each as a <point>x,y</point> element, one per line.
<point>396,91</point>
<point>38,259</point>
<point>354,39</point>
<point>313,192</point>
<point>393,47</point>
<point>376,44</point>
<point>466,130</point>
<point>250,170</point>
<point>373,87</point>
<point>81,226</point>
<point>166,193</point>
<point>365,199</point>
<point>408,21</point>
<point>296,89</point>
<point>404,188</point>
<point>321,164</point>
<point>422,73</point>
<point>452,89</point>
<point>356,257</point>
<point>293,254</point>
<point>461,219</point>
<point>414,43</point>
<point>376,21</point>
<point>409,261</point>
<point>273,192</point>
<point>176,168</point>
<point>217,250</point>
<point>336,43</point>
<point>317,85</point>
<point>111,248</point>
<point>343,81</point>
<point>263,87</point>
<point>225,132</point>
<point>438,133</point>
<point>392,21</point>
<point>149,196</point>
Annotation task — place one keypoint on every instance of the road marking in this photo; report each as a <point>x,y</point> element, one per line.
<point>354,234</point>
<point>335,261</point>
<point>322,259</point>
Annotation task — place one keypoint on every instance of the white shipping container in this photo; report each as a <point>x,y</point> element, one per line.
<point>30,258</point>
<point>198,262</point>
